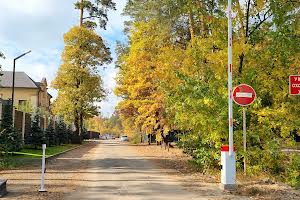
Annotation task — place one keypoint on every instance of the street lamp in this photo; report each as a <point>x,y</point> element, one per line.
<point>13,83</point>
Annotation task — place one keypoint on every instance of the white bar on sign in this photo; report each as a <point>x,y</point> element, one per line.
<point>244,94</point>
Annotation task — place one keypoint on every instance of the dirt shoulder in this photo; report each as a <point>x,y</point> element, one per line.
<point>62,177</point>
<point>254,187</point>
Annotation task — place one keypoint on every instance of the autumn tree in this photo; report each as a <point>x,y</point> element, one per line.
<point>176,63</point>
<point>139,78</point>
<point>77,80</point>
<point>106,125</point>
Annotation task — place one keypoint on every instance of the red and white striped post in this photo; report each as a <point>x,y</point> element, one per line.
<point>228,172</point>
<point>230,109</point>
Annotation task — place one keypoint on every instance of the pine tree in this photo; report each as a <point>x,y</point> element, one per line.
<point>36,136</point>
<point>50,134</point>
<point>61,132</point>
<point>69,134</point>
<point>96,9</point>
<point>10,137</point>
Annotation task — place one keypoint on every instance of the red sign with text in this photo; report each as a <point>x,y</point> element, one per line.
<point>244,95</point>
<point>295,85</point>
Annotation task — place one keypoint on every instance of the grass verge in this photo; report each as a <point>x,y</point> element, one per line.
<point>38,153</point>
<point>29,156</point>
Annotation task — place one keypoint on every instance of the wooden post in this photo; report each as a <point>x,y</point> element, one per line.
<point>23,127</point>
<point>13,116</point>
<point>45,122</point>
<point>1,110</point>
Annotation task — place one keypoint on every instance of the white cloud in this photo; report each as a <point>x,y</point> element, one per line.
<point>29,7</point>
<point>39,25</point>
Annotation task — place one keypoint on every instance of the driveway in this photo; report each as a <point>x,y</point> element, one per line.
<point>117,171</point>
<point>108,170</point>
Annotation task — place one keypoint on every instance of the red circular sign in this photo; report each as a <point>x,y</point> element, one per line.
<point>243,95</point>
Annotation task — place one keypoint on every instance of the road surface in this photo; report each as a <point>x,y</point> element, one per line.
<point>116,171</point>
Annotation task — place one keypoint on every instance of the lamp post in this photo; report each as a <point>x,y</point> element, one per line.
<point>13,82</point>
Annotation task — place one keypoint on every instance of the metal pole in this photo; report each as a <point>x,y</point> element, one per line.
<point>13,89</point>
<point>13,81</point>
<point>244,137</point>
<point>230,109</point>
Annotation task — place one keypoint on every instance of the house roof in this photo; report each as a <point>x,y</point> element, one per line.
<point>38,84</point>
<point>22,80</point>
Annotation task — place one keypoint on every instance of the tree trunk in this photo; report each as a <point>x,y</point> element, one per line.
<point>80,124</point>
<point>191,25</point>
<point>241,56</point>
<point>166,140</point>
<point>81,13</point>
<point>76,123</point>
<point>149,139</point>
<point>201,16</point>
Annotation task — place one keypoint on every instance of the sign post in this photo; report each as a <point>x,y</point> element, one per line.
<point>244,137</point>
<point>244,95</point>
<point>295,85</point>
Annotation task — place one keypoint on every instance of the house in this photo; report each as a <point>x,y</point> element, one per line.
<point>26,90</point>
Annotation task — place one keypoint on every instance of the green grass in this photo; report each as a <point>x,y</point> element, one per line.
<point>28,152</point>
<point>29,156</point>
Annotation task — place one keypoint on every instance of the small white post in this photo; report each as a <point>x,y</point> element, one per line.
<point>43,170</point>
<point>244,137</point>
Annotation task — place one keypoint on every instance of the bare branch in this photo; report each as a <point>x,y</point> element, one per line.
<point>261,21</point>
<point>90,17</point>
<point>247,18</point>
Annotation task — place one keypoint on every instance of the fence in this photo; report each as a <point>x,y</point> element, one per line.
<point>22,121</point>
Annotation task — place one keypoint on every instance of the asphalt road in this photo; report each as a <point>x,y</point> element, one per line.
<point>118,172</point>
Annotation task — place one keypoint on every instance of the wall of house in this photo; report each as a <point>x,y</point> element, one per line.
<point>28,94</point>
<point>44,100</point>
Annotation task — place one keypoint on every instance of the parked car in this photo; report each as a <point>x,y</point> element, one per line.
<point>124,138</point>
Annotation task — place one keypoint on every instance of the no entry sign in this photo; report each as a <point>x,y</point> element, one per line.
<point>295,84</point>
<point>243,95</point>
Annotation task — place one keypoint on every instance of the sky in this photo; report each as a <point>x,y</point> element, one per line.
<point>39,25</point>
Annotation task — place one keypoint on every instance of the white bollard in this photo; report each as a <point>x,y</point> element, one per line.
<point>228,173</point>
<point>43,170</point>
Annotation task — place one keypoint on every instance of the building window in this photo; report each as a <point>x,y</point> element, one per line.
<point>22,102</point>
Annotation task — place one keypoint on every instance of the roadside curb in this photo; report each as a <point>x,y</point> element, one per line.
<point>58,154</point>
